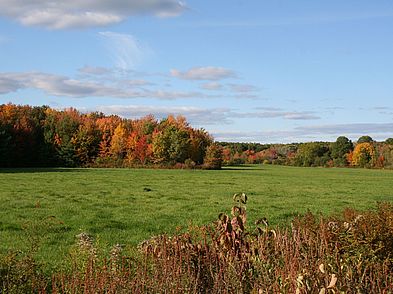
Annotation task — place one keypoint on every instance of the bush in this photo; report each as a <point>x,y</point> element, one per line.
<point>19,273</point>
<point>351,254</point>
<point>189,163</point>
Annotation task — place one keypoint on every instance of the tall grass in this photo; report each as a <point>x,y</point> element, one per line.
<point>348,254</point>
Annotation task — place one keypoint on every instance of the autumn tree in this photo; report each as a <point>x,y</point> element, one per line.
<point>364,155</point>
<point>139,148</point>
<point>106,127</point>
<point>200,140</point>
<point>21,136</point>
<point>119,142</point>
<point>86,141</point>
<point>389,141</point>
<point>213,157</point>
<point>139,141</point>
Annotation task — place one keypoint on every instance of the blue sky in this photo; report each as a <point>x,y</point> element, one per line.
<point>260,71</point>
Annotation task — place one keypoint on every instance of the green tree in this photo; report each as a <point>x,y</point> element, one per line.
<point>340,149</point>
<point>59,128</point>
<point>365,139</point>
<point>171,145</point>
<point>5,148</point>
<point>312,154</point>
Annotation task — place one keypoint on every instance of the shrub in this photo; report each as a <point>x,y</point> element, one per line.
<point>19,273</point>
<point>189,163</point>
<point>351,254</point>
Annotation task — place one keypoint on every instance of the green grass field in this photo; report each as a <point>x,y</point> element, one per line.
<point>127,206</point>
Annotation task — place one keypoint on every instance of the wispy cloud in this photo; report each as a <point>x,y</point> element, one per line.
<point>349,129</point>
<point>195,115</point>
<point>9,84</point>
<point>126,51</point>
<point>242,88</point>
<point>239,90</point>
<point>378,131</point>
<point>385,110</point>
<point>59,14</point>
<point>210,73</point>
<point>58,19</point>
<point>301,20</point>
<point>59,85</point>
<point>255,136</point>
<point>94,70</point>
<point>211,86</point>
<point>136,83</point>
<point>278,113</point>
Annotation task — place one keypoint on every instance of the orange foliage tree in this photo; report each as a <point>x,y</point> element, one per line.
<point>364,155</point>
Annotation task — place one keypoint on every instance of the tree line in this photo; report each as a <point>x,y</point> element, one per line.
<point>43,136</point>
<point>365,152</point>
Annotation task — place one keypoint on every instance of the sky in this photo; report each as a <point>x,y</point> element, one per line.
<point>248,71</point>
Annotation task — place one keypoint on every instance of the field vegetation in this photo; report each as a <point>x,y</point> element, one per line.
<point>127,206</point>
<point>347,254</point>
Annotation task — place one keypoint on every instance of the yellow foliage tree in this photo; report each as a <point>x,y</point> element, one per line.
<point>119,142</point>
<point>364,155</point>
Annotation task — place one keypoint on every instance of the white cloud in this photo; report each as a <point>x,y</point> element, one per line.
<point>239,136</point>
<point>194,115</point>
<point>268,108</point>
<point>64,86</point>
<point>211,86</point>
<point>171,95</point>
<point>302,20</point>
<point>242,88</point>
<point>9,84</point>
<point>350,129</point>
<point>303,115</point>
<point>68,87</point>
<point>267,136</point>
<point>378,131</point>
<point>137,83</point>
<point>57,19</point>
<point>127,52</point>
<point>247,96</point>
<point>59,14</point>
<point>385,110</point>
<point>204,73</point>
<point>94,70</point>
<point>278,113</point>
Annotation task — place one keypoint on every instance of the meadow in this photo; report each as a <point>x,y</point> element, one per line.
<point>49,207</point>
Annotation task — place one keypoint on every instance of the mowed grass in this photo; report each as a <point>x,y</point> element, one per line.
<point>127,206</point>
